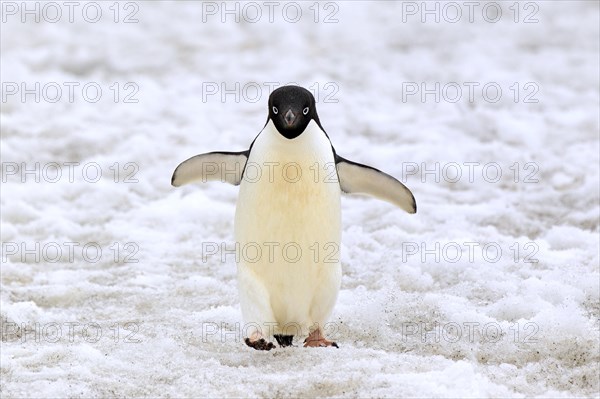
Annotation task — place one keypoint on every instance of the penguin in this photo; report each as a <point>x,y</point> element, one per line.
<point>288,218</point>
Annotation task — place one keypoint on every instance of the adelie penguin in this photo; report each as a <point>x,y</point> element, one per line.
<point>291,179</point>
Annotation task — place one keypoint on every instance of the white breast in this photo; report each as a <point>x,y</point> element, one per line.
<point>289,205</point>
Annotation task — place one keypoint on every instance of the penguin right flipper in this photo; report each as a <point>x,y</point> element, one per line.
<point>213,166</point>
<point>358,178</point>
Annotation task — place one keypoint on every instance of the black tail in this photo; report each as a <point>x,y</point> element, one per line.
<point>284,340</point>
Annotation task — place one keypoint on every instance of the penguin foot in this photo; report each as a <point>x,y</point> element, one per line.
<point>260,344</point>
<point>284,340</point>
<point>316,340</point>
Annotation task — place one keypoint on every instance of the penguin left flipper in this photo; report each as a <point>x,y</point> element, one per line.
<point>213,166</point>
<point>358,178</point>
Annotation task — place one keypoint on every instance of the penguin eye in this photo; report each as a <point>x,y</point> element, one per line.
<point>275,110</point>
<point>305,111</point>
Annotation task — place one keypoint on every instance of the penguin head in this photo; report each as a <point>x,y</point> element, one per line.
<point>291,108</point>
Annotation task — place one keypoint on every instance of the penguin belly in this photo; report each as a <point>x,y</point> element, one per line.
<point>288,232</point>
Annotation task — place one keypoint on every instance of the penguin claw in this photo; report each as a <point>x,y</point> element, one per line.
<point>316,340</point>
<point>260,344</point>
<point>319,343</point>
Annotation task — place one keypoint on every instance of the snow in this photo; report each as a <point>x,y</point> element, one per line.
<point>428,306</point>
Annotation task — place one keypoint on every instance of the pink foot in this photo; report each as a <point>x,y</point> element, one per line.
<point>259,343</point>
<point>316,340</point>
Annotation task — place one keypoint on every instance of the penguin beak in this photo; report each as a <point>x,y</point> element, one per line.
<point>289,118</point>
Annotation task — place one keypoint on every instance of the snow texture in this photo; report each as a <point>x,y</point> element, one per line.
<point>444,303</point>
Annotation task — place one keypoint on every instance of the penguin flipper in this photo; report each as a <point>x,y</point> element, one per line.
<point>213,166</point>
<point>358,178</point>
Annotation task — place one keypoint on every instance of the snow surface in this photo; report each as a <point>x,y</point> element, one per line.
<point>407,326</point>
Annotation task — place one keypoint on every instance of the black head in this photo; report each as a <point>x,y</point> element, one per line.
<point>291,108</point>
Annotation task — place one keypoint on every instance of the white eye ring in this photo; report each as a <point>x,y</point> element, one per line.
<point>275,110</point>
<point>305,111</point>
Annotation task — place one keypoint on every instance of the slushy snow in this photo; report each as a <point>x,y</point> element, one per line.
<point>490,290</point>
